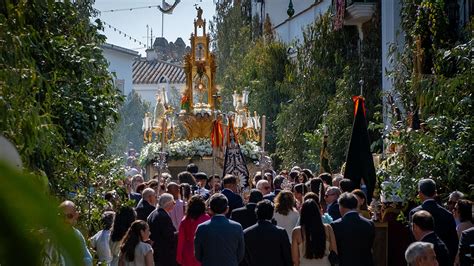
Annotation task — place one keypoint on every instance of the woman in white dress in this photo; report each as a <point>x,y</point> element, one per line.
<point>286,215</point>
<point>134,251</point>
<point>312,240</point>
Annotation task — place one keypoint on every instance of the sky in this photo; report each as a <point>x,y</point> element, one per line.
<point>134,23</point>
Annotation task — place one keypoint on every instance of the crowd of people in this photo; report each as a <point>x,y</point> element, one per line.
<point>290,218</point>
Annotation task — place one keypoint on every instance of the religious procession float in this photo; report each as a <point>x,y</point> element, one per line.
<point>201,133</point>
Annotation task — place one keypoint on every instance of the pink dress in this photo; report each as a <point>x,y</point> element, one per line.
<point>185,249</point>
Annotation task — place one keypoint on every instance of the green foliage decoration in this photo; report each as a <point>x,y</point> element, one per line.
<point>443,147</point>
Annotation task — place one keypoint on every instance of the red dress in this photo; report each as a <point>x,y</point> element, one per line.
<point>185,249</point>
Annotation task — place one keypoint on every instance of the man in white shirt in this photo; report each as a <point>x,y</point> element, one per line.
<point>201,179</point>
<point>100,241</point>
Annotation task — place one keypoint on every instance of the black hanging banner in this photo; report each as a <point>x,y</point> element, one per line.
<point>359,161</point>
<point>234,162</point>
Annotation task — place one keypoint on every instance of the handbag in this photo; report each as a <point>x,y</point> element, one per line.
<point>333,258</point>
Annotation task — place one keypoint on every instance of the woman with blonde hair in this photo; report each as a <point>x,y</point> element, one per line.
<point>286,215</point>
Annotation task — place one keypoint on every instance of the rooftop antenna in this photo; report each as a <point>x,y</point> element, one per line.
<point>147,33</point>
<point>151,38</point>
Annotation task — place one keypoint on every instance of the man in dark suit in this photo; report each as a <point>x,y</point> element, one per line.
<point>246,216</point>
<point>265,243</point>
<point>219,241</point>
<point>467,239</point>
<point>230,187</point>
<point>147,204</point>
<point>354,234</point>
<point>445,226</point>
<point>331,196</point>
<point>423,230</point>
<point>163,233</point>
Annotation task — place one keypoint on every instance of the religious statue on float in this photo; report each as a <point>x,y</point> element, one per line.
<point>162,121</point>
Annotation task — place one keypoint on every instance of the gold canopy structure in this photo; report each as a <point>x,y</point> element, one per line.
<point>198,103</point>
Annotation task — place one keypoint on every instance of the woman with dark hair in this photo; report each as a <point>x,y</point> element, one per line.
<point>312,240</point>
<point>299,190</point>
<point>302,178</point>
<point>195,215</point>
<point>463,211</point>
<point>122,221</point>
<point>362,207</point>
<point>134,251</point>
<point>286,215</point>
<point>185,191</point>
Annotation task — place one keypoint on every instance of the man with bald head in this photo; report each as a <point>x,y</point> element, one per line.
<point>177,213</point>
<point>147,204</point>
<point>70,214</point>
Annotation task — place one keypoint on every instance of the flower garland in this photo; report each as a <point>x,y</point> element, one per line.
<point>182,149</point>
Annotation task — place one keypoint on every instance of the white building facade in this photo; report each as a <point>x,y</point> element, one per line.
<point>152,76</point>
<point>288,29</point>
<point>120,61</point>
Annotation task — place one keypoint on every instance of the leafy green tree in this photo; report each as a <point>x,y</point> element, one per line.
<point>129,127</point>
<point>56,91</point>
<point>255,63</point>
<point>57,101</point>
<point>230,23</point>
<point>263,71</point>
<point>322,58</point>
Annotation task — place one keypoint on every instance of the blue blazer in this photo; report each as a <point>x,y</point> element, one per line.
<point>333,210</point>
<point>235,200</point>
<point>219,242</point>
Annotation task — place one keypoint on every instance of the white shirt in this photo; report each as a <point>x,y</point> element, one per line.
<point>288,222</point>
<point>100,242</point>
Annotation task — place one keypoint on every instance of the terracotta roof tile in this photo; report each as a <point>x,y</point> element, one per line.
<point>151,72</point>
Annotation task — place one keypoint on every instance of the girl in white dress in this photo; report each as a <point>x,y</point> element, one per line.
<point>134,251</point>
<point>312,240</point>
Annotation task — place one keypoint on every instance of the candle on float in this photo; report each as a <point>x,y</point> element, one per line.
<point>144,126</point>
<point>263,132</point>
<point>165,102</point>
<point>149,125</point>
<point>163,134</point>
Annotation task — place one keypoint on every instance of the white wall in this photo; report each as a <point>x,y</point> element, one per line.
<point>391,34</point>
<point>148,92</point>
<point>121,64</point>
<point>292,29</point>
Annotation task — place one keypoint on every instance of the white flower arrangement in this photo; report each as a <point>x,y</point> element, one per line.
<point>250,150</point>
<point>187,149</point>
